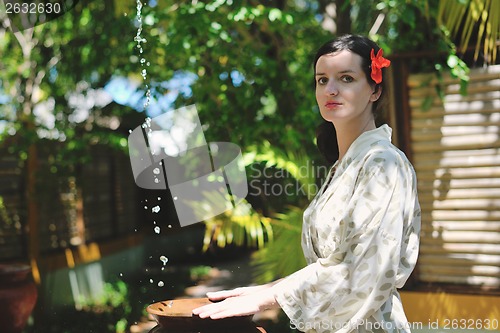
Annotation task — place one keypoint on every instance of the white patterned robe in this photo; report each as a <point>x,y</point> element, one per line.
<point>360,238</point>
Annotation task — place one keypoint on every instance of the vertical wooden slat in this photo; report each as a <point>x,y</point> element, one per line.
<point>456,145</point>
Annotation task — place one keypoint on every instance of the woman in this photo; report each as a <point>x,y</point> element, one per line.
<point>361,232</point>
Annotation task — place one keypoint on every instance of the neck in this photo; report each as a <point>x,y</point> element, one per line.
<point>348,132</point>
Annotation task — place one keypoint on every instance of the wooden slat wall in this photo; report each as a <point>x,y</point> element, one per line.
<point>109,198</point>
<point>98,205</point>
<point>11,236</point>
<point>456,154</point>
<point>126,195</point>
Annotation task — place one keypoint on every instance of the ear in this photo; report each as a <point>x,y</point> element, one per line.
<point>376,93</point>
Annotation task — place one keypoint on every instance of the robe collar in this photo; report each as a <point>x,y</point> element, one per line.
<point>364,143</point>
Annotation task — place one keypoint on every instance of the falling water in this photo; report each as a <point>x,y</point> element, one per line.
<point>141,40</point>
<point>147,124</point>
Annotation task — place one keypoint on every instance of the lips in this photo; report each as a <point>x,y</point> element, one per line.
<point>332,104</point>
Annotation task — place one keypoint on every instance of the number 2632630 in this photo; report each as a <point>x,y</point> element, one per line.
<point>33,8</point>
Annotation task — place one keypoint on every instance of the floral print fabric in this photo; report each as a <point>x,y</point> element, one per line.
<point>360,238</point>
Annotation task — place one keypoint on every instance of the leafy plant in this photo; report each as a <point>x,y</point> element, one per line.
<point>283,255</point>
<point>114,303</point>
<point>4,214</point>
<point>241,226</point>
<point>473,19</point>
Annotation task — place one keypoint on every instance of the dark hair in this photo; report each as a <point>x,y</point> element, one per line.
<point>326,136</point>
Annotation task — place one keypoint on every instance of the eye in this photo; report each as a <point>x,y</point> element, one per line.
<point>322,80</point>
<point>347,78</point>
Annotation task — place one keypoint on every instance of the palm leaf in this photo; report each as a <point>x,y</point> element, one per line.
<point>283,255</point>
<point>468,16</point>
<point>277,238</point>
<point>241,226</point>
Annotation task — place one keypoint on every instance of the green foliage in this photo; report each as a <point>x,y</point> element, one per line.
<point>241,227</point>
<point>472,19</point>
<point>44,69</point>
<point>253,67</point>
<point>284,255</point>
<point>254,86</point>
<point>403,19</point>
<point>4,214</point>
<point>199,272</point>
<point>114,295</point>
<point>110,312</point>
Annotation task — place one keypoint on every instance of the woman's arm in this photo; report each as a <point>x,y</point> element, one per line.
<point>241,301</point>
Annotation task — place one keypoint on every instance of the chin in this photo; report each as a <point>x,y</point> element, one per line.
<point>332,116</point>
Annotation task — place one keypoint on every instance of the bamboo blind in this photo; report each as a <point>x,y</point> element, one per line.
<point>456,154</point>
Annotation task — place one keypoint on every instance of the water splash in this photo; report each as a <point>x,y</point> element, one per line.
<point>141,40</point>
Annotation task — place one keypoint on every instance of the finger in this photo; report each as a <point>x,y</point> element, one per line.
<point>206,311</point>
<point>201,309</point>
<point>223,294</point>
<point>232,312</point>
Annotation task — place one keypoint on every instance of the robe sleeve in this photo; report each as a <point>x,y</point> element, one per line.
<point>360,270</point>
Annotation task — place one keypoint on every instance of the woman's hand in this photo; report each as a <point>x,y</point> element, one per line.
<point>240,291</point>
<point>238,302</point>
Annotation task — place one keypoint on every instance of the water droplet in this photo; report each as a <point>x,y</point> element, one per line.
<point>156,171</point>
<point>150,280</point>
<point>155,209</point>
<point>157,180</point>
<point>121,274</point>
<point>130,131</point>
<point>159,198</point>
<point>145,207</point>
<point>164,260</point>
<point>157,230</point>
<point>175,198</point>
<point>170,226</point>
<point>161,284</point>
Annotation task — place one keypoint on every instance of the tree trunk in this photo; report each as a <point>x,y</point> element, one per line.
<point>343,19</point>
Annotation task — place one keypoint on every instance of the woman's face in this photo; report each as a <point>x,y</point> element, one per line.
<point>342,90</point>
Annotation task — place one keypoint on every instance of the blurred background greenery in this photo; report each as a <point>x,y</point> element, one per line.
<point>73,86</point>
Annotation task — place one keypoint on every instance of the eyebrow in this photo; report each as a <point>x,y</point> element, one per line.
<point>341,72</point>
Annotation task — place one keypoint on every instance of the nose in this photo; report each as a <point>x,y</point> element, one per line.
<point>331,89</point>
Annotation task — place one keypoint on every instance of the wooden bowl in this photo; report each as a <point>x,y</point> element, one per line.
<point>177,315</point>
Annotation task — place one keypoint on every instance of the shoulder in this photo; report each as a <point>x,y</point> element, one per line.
<point>384,156</point>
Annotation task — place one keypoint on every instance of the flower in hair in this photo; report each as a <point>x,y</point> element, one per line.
<point>378,62</point>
